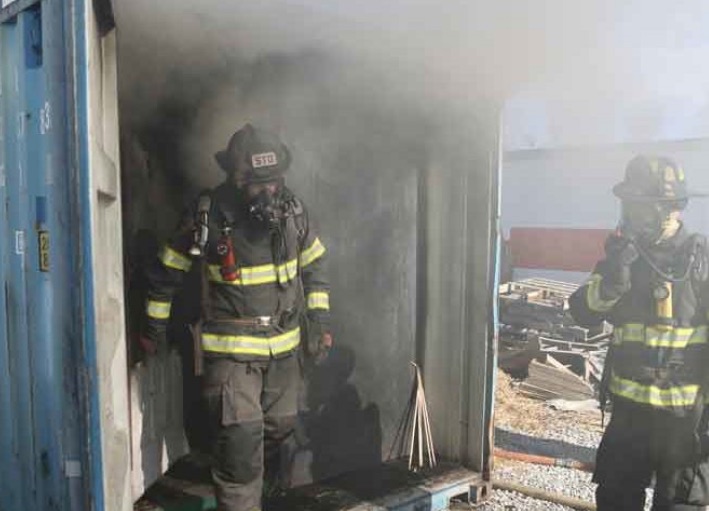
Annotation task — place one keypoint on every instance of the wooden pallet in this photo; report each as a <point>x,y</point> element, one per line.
<point>546,292</point>
<point>387,487</point>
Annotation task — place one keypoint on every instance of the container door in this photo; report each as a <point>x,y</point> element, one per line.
<point>106,335</point>
<point>39,409</point>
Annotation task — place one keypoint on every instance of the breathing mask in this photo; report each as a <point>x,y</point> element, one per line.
<point>650,221</point>
<point>269,208</point>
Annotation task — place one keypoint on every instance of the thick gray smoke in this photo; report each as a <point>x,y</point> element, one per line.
<point>367,94</point>
<point>177,57</point>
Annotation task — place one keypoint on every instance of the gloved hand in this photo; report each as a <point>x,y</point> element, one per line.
<point>319,342</point>
<point>621,253</point>
<point>323,348</point>
<point>147,345</point>
<point>151,339</point>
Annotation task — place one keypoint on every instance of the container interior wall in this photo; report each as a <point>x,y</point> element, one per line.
<point>361,189</point>
<point>460,262</point>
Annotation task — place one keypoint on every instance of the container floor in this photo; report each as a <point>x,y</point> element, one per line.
<point>389,486</point>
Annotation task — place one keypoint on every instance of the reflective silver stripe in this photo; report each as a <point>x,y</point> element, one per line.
<point>319,300</point>
<point>257,275</point>
<point>593,295</point>
<point>680,396</point>
<point>662,337</point>
<point>158,310</point>
<point>250,345</point>
<point>312,253</point>
<point>173,259</point>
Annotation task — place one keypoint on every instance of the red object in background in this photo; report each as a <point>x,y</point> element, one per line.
<point>547,248</point>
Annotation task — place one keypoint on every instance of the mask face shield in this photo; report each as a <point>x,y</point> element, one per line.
<point>649,221</point>
<point>264,202</point>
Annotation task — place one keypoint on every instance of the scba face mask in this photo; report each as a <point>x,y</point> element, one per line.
<point>268,208</point>
<point>651,221</point>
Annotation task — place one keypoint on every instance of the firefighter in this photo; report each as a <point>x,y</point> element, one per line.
<point>264,271</point>
<point>652,287</point>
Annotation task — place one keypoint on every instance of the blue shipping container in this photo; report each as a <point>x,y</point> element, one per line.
<point>49,435</point>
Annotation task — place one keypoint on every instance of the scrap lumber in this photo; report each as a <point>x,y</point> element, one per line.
<point>534,322</point>
<point>552,380</point>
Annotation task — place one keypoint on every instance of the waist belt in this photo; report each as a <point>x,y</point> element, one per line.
<point>648,374</point>
<point>254,321</point>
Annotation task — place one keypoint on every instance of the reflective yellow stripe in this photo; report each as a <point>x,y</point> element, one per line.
<point>158,310</point>
<point>310,254</point>
<point>652,395</point>
<point>269,273</point>
<point>173,259</point>
<point>662,337</point>
<point>319,300</point>
<point>593,295</point>
<point>250,345</point>
<point>256,275</point>
<point>287,272</point>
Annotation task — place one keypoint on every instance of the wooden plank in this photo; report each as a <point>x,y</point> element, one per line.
<point>584,346</point>
<point>547,379</point>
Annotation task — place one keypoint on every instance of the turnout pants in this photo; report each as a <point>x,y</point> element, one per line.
<point>640,443</point>
<point>251,408</point>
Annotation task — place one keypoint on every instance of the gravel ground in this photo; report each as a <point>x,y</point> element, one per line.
<point>573,483</point>
<point>531,426</point>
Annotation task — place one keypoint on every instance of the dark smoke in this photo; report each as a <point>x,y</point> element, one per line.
<point>367,94</point>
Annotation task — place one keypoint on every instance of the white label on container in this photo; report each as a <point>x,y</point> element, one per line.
<point>20,242</point>
<point>72,468</point>
<point>45,119</point>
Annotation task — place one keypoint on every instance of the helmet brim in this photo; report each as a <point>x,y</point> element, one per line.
<point>224,161</point>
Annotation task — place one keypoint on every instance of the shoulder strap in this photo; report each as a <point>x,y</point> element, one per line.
<point>226,215</point>
<point>300,216</point>
<point>299,213</point>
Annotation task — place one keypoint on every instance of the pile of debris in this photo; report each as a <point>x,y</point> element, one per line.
<point>541,345</point>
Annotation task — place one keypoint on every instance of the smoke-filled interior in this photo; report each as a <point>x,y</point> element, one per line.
<point>390,110</point>
<point>366,136</point>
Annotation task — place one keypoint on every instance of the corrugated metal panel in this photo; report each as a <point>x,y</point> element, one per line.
<point>39,421</point>
<point>461,249</point>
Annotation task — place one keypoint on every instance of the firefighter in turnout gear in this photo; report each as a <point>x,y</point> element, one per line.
<point>652,287</point>
<point>265,286</point>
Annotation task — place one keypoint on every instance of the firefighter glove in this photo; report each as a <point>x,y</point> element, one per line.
<point>152,339</point>
<point>621,253</point>
<point>323,348</point>
<point>319,342</point>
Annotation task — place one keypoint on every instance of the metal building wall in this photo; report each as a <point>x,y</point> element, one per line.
<point>571,187</point>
